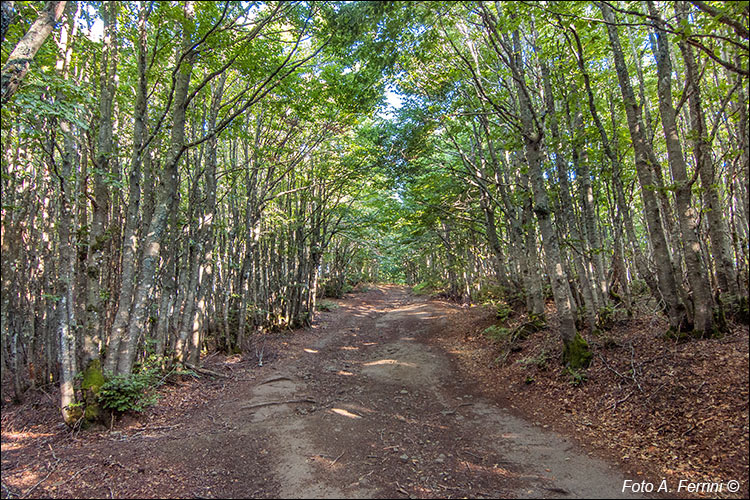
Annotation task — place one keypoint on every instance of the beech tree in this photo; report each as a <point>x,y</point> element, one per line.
<point>181,177</point>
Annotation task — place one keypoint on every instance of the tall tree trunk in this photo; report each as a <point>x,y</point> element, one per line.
<point>98,236</point>
<point>530,261</point>
<point>130,249</point>
<point>665,269</point>
<point>7,17</point>
<point>487,204</point>
<point>717,229</point>
<point>18,62</point>
<point>167,197</point>
<point>702,301</point>
<point>567,223</point>
<point>206,230</point>
<point>575,352</point>
<point>622,206</point>
<point>66,321</point>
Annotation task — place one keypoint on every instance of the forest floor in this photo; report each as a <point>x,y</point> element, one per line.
<point>392,395</point>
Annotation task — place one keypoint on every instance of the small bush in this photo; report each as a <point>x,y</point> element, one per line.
<point>490,293</point>
<point>502,311</point>
<point>577,377</point>
<point>326,305</point>
<point>540,360</point>
<point>134,392</point>
<point>606,318</point>
<point>496,333</point>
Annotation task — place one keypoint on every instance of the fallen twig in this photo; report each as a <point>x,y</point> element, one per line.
<point>276,379</point>
<point>632,367</point>
<point>401,490</point>
<point>269,403</point>
<point>337,459</point>
<point>9,493</point>
<point>42,479</point>
<point>205,371</point>
<point>473,455</point>
<point>60,483</point>
<point>614,405</point>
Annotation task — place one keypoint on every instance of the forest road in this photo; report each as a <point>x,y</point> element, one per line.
<point>375,411</point>
<point>360,405</point>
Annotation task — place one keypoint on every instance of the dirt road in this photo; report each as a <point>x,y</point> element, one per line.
<point>359,406</point>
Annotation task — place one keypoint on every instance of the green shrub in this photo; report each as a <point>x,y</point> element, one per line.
<point>577,377</point>
<point>502,311</point>
<point>134,392</point>
<point>496,333</point>
<point>326,305</point>
<point>606,318</point>
<point>421,288</point>
<point>490,293</point>
<point>540,360</point>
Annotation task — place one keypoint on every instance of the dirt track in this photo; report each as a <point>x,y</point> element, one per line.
<point>359,406</point>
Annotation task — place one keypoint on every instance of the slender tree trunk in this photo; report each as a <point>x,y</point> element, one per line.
<point>720,249</point>
<point>622,205</point>
<point>7,17</point>
<point>488,208</point>
<point>18,62</point>
<point>167,199</point>
<point>66,321</point>
<point>568,224</point>
<point>696,273</point>
<point>575,352</point>
<point>532,279</point>
<point>665,270</point>
<point>206,229</point>
<point>130,249</point>
<point>98,236</point>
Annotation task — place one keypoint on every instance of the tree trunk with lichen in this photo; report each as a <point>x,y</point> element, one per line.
<point>167,200</point>
<point>130,250</point>
<point>575,350</point>
<point>667,281</point>
<point>18,62</point>
<point>702,310</point>
<point>98,235</point>
<point>726,275</point>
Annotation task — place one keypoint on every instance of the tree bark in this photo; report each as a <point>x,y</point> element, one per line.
<point>20,59</point>
<point>665,270</point>
<point>99,238</point>
<point>623,210</point>
<point>720,249</point>
<point>167,197</point>
<point>567,222</point>
<point>702,309</point>
<point>130,248</point>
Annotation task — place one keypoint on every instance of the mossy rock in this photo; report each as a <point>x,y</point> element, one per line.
<point>576,354</point>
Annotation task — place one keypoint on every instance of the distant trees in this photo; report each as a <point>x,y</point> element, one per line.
<point>524,105</point>
<point>178,176</point>
<point>174,183</point>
